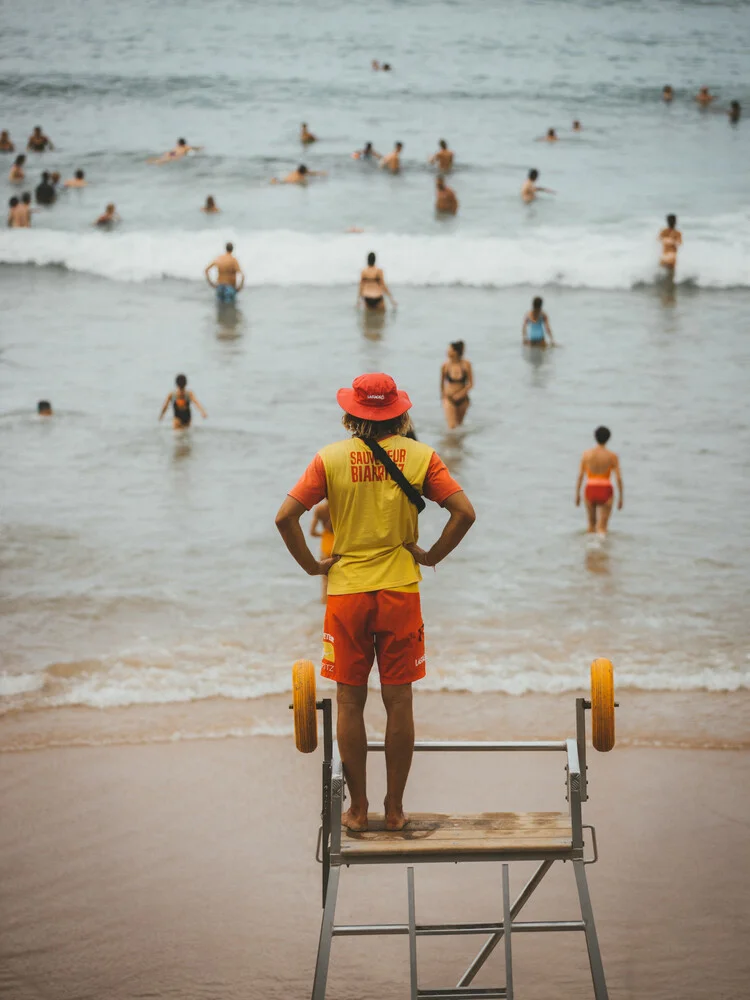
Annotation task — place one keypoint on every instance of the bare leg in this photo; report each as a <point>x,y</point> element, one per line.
<point>461,409</point>
<point>350,731</point>
<point>399,749</point>
<point>591,512</point>
<point>450,413</point>
<point>605,510</point>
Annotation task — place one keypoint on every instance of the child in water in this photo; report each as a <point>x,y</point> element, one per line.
<point>536,326</point>
<point>181,401</point>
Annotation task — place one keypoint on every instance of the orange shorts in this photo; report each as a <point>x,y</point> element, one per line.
<point>386,623</point>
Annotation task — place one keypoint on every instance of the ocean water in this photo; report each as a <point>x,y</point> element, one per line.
<point>140,567</point>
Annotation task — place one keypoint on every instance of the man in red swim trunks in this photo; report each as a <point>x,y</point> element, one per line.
<point>597,465</point>
<point>373,606</point>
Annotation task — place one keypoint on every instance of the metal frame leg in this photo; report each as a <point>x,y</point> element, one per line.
<point>592,941</point>
<point>412,934</point>
<point>326,936</point>
<point>507,927</point>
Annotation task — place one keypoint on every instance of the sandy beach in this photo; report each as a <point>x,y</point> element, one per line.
<point>187,870</point>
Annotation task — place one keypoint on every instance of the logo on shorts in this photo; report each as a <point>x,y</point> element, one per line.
<point>327,637</point>
<point>420,661</point>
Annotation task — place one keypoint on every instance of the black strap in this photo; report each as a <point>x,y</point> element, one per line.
<point>413,494</point>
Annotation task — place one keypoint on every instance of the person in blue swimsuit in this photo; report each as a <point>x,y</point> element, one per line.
<point>229,275</point>
<point>536,326</point>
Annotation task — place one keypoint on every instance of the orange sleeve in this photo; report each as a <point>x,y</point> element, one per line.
<point>311,487</point>
<point>438,482</point>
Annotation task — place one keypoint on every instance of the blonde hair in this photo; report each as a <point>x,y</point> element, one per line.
<point>377,428</point>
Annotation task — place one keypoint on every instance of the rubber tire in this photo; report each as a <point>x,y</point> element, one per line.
<point>305,712</point>
<point>602,705</point>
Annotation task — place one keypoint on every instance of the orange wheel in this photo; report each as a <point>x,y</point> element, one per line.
<point>305,713</point>
<point>602,705</point>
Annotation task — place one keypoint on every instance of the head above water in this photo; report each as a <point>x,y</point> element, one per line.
<point>210,203</point>
<point>734,105</point>
<point>44,407</point>
<point>181,381</point>
<point>229,247</point>
<point>671,221</point>
<point>371,259</point>
<point>302,169</point>
<point>533,174</point>
<point>602,435</point>
<point>387,67</point>
<point>458,347</point>
<point>13,202</point>
<point>26,197</point>
<point>368,147</point>
<point>443,144</point>
<point>667,89</point>
<point>536,304</point>
<point>576,124</point>
<point>182,142</point>
<point>110,209</point>
<point>20,159</point>
<point>4,134</point>
<point>37,130</point>
<point>399,146</point>
<point>551,133</point>
<point>45,177</point>
<point>79,175</point>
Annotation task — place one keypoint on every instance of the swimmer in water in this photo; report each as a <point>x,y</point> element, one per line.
<point>577,127</point>
<point>38,141</point>
<point>44,408</point>
<point>704,97</point>
<point>536,326</point>
<point>44,192</point>
<point>20,214</point>
<point>597,465</point>
<point>735,111</point>
<point>667,94</point>
<point>17,174</point>
<point>210,208</point>
<point>375,65</point>
<point>13,204</point>
<point>443,158</point>
<point>108,217</point>
<point>78,181</point>
<point>230,278</point>
<point>446,202</point>
<point>180,401</point>
<point>305,135</point>
<point>54,178</point>
<point>671,240</point>
<point>6,144</point>
<point>180,150</point>
<point>386,67</point>
<point>368,153</point>
<point>456,379</point>
<point>551,136</point>
<point>530,188</point>
<point>392,161</point>
<point>372,287</point>
<point>322,519</point>
<point>299,176</point>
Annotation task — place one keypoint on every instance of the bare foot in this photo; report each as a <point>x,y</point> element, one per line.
<point>395,819</point>
<point>355,822</point>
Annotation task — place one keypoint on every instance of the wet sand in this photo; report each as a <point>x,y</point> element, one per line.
<point>186,870</point>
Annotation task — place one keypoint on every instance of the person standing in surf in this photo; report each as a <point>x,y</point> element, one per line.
<point>443,159</point>
<point>597,466</point>
<point>372,287</point>
<point>180,401</point>
<point>671,241</point>
<point>456,380</point>
<point>446,202</point>
<point>373,608</point>
<point>530,188</point>
<point>230,278</point>
<point>536,326</point>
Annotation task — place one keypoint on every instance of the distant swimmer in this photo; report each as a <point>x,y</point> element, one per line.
<point>671,240</point>
<point>597,465</point>
<point>375,64</point>
<point>13,204</point>
<point>322,519</point>
<point>44,192</point>
<point>530,188</point>
<point>44,408</point>
<point>536,328</point>
<point>180,402</point>
<point>392,161</point>
<point>26,211</point>
<point>443,158</point>
<point>386,67</point>
<point>551,136</point>
<point>299,176</point>
<point>180,150</point>
<point>6,144</point>
<point>735,111</point>
<point>210,208</point>
<point>456,379</point>
<point>667,94</point>
<point>305,135</point>
<point>446,202</point>
<point>704,97</point>
<point>38,141</point>
<point>54,178</point>
<point>372,287</point>
<point>368,153</point>
<point>230,278</point>
<point>17,174</point>
<point>577,127</point>
<point>77,181</point>
<point>108,217</point>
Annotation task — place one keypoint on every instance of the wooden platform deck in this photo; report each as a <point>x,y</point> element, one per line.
<point>437,833</point>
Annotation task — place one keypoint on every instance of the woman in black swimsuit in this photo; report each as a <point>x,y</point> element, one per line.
<point>180,402</point>
<point>456,379</point>
<point>372,287</point>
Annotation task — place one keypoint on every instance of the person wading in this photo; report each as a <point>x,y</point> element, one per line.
<point>373,606</point>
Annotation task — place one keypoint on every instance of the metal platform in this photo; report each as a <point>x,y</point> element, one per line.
<point>437,838</point>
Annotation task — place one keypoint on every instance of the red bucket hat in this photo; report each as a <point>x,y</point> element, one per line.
<point>374,396</point>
